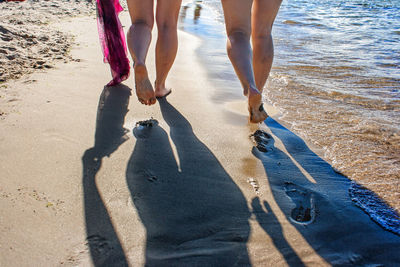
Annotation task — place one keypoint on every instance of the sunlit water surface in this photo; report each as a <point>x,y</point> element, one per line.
<point>335,79</point>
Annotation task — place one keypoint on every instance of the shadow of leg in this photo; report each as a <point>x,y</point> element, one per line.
<point>102,240</point>
<point>323,211</point>
<point>195,215</point>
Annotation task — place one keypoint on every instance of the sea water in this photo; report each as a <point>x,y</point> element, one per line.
<point>335,80</point>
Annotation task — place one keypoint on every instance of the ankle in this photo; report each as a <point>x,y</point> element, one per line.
<point>139,64</point>
<point>253,90</point>
<point>159,85</point>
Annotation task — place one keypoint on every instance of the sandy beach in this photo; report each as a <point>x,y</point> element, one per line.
<point>85,182</point>
<point>27,40</point>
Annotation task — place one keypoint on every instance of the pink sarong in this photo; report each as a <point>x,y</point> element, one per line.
<point>112,39</point>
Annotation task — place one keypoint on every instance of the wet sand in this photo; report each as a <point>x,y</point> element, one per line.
<point>83,185</point>
<point>358,136</point>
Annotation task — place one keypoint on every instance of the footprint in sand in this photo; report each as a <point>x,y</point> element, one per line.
<point>254,183</point>
<point>100,246</point>
<point>304,213</point>
<point>262,140</point>
<point>142,128</point>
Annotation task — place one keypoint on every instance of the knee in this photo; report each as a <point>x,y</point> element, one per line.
<point>261,32</point>
<point>262,39</point>
<point>166,27</point>
<point>148,22</point>
<point>166,23</point>
<point>238,35</point>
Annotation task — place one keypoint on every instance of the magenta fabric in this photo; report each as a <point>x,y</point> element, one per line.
<point>112,39</point>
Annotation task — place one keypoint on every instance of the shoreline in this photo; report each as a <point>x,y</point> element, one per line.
<point>240,207</point>
<point>280,91</point>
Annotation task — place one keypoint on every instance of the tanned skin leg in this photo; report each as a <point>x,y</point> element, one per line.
<point>167,13</point>
<point>262,19</point>
<point>242,20</point>
<point>138,39</point>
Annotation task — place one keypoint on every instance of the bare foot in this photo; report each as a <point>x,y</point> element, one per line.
<point>255,106</point>
<point>144,89</point>
<point>161,91</point>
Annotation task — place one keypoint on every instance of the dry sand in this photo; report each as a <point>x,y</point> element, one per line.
<point>82,186</point>
<point>27,39</point>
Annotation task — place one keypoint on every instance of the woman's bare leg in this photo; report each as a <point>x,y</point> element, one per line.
<point>238,27</point>
<point>263,16</point>
<point>167,43</point>
<point>138,39</point>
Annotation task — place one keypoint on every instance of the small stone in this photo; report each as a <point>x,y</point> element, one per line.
<point>11,57</point>
<point>44,39</point>
<point>6,38</point>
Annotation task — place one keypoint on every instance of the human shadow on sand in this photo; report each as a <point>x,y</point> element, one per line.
<point>193,212</point>
<point>102,240</point>
<point>341,233</point>
<point>271,225</point>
